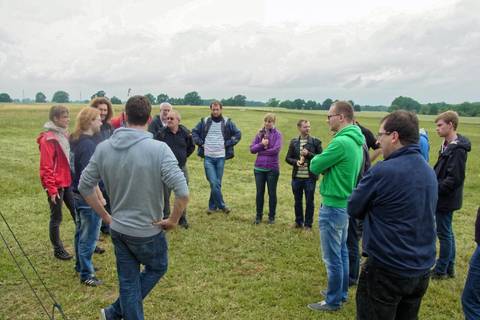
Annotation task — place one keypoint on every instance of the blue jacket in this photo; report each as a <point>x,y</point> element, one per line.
<point>231,135</point>
<point>397,198</point>
<point>424,145</point>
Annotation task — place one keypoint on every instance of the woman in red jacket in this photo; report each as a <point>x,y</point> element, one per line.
<point>55,173</point>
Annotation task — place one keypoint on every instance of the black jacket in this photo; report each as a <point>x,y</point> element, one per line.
<point>477,227</point>
<point>314,147</point>
<point>180,143</point>
<point>450,170</point>
<point>155,126</point>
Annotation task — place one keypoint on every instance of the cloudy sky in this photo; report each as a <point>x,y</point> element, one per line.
<point>369,51</point>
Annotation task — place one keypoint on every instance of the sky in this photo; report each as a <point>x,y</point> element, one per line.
<point>368,51</point>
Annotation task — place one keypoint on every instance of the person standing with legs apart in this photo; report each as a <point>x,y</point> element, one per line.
<point>471,292</point>
<point>55,173</point>
<point>396,198</point>
<point>340,163</point>
<point>450,169</point>
<point>300,152</point>
<point>215,137</point>
<point>82,144</point>
<point>137,227</point>
<point>266,144</point>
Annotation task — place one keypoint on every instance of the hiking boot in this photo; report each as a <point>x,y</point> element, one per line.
<point>62,255</point>
<point>99,250</point>
<point>322,306</point>
<point>226,210</point>
<point>92,282</point>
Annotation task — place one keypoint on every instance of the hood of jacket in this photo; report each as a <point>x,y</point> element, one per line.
<point>124,138</point>
<point>353,132</point>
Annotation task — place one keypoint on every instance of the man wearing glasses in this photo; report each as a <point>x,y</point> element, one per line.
<point>340,164</point>
<point>397,199</point>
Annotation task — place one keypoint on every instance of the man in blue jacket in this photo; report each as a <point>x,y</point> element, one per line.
<point>397,200</point>
<point>215,137</point>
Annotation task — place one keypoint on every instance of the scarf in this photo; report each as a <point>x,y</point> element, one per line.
<point>62,137</point>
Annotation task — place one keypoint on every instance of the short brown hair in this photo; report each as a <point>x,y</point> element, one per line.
<point>138,109</point>
<point>216,103</point>
<point>103,100</point>
<point>344,108</point>
<point>448,117</point>
<point>405,123</point>
<point>270,116</point>
<point>300,122</point>
<point>56,112</point>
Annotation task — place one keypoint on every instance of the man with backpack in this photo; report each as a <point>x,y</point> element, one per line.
<point>215,137</point>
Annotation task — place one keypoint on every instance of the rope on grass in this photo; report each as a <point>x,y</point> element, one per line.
<point>55,304</point>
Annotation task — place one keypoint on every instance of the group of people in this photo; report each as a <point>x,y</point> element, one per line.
<point>123,170</point>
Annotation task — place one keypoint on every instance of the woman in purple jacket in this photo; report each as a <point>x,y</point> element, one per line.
<point>267,144</point>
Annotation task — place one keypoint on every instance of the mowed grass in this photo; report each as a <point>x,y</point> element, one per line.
<point>223,267</point>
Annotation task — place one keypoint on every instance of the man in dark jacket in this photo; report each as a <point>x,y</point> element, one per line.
<point>450,170</point>
<point>471,293</point>
<point>300,151</point>
<point>215,137</point>
<point>397,199</point>
<point>179,139</point>
<point>160,120</point>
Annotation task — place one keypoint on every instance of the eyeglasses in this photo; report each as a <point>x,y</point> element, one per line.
<point>380,134</point>
<point>170,118</point>
<point>332,115</point>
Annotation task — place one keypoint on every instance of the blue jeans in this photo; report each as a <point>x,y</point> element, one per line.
<point>86,234</point>
<point>446,257</point>
<point>307,186</point>
<point>333,224</point>
<point>131,252</point>
<point>471,292</point>
<point>214,173</point>
<point>270,178</point>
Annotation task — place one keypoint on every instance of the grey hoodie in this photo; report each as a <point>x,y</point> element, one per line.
<point>133,168</point>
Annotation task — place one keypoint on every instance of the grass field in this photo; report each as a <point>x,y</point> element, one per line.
<point>223,267</point>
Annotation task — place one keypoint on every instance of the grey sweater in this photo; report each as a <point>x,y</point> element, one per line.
<point>133,168</point>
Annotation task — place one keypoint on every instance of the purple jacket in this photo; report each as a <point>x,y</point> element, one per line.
<point>267,158</point>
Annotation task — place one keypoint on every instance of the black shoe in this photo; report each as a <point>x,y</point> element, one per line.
<point>99,250</point>
<point>257,220</point>
<point>92,282</point>
<point>226,210</point>
<point>62,255</point>
<point>438,276</point>
<point>451,273</point>
<point>271,220</point>
<point>297,226</point>
<point>184,224</point>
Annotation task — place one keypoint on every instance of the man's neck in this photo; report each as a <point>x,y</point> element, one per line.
<point>137,127</point>
<point>451,137</point>
<point>304,136</point>
<point>173,130</point>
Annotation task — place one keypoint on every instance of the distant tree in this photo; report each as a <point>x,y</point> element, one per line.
<point>405,103</point>
<point>326,104</point>
<point>286,104</point>
<point>100,93</point>
<point>40,97</point>
<point>227,102</point>
<point>299,103</point>
<point>310,105</point>
<point>273,102</point>
<point>176,101</point>
<point>192,98</point>
<point>162,97</point>
<point>60,97</point>
<point>115,100</point>
<point>239,100</point>
<point>5,97</point>
<point>150,97</point>
<point>357,108</point>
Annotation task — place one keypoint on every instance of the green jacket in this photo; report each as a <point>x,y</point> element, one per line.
<point>340,165</point>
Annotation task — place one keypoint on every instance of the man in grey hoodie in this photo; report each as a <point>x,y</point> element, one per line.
<point>134,168</point>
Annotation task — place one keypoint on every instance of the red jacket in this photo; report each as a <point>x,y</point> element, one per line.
<point>54,166</point>
<point>121,120</point>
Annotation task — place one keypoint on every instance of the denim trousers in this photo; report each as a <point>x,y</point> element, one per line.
<point>333,224</point>
<point>384,295</point>
<point>65,196</point>
<point>86,234</point>
<point>471,292</point>
<point>299,187</point>
<point>166,200</point>
<point>355,228</point>
<point>446,257</point>
<point>214,172</point>
<point>269,178</point>
<point>131,253</point>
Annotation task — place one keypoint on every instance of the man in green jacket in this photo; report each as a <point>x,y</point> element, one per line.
<point>340,164</point>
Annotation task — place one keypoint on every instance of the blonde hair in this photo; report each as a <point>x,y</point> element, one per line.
<point>448,117</point>
<point>83,121</point>
<point>270,116</point>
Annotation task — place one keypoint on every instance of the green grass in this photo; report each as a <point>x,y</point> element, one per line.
<point>223,267</point>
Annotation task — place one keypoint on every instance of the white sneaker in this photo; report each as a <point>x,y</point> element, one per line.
<point>102,314</point>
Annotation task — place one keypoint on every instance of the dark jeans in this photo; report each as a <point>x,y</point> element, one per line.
<point>355,228</point>
<point>471,293</point>
<point>446,257</point>
<point>131,252</point>
<point>270,178</point>
<point>384,295</point>
<point>105,228</point>
<point>66,195</point>
<point>166,200</point>
<point>307,186</point>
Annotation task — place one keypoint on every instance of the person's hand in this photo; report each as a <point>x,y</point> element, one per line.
<point>165,224</point>
<point>265,142</point>
<point>304,152</point>
<point>300,163</point>
<point>107,219</point>
<point>103,201</point>
<point>53,198</point>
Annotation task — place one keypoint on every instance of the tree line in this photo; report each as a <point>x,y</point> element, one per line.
<point>469,109</point>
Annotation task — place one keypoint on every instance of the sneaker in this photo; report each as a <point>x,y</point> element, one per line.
<point>257,220</point>
<point>92,282</point>
<point>184,224</point>
<point>62,255</point>
<point>438,276</point>
<point>210,211</point>
<point>103,316</point>
<point>322,306</point>
<point>307,228</point>
<point>271,221</point>
<point>99,250</point>
<point>226,210</point>
<point>297,226</point>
